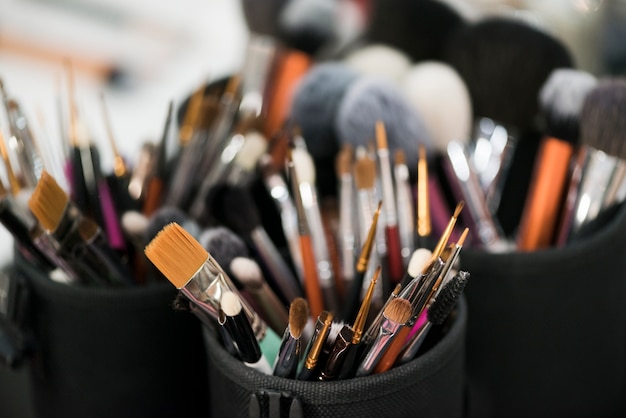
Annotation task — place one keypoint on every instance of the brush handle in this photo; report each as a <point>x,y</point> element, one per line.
<point>392,351</point>
<point>311,281</point>
<point>545,196</point>
<point>394,254</point>
<point>154,195</point>
<point>353,301</point>
<point>241,332</point>
<point>111,221</point>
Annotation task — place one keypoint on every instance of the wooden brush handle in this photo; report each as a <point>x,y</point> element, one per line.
<point>311,280</point>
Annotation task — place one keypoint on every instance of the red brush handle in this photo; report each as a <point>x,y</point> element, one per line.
<point>394,254</point>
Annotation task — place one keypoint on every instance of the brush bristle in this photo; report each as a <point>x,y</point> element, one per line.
<point>418,261</point>
<point>602,121</point>
<point>440,95</point>
<point>447,298</point>
<point>398,311</point>
<point>364,173</point>
<point>561,99</point>
<point>234,207</point>
<point>251,151</point>
<point>48,202</point>
<point>304,165</point>
<point>223,245</point>
<point>504,62</point>
<point>378,60</point>
<point>399,157</point>
<point>230,303</point>
<point>176,254</point>
<point>247,272</point>
<point>344,160</point>
<point>298,316</point>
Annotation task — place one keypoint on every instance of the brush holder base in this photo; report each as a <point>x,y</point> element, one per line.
<point>432,385</point>
<point>547,335</point>
<point>112,352</point>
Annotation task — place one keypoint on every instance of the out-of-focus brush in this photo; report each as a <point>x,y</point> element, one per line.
<point>561,99</point>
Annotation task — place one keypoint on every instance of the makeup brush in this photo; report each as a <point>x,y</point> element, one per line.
<point>242,334</point>
<point>247,272</point>
<point>395,316</point>
<point>314,350</point>
<point>224,245</point>
<point>20,224</point>
<point>166,215</point>
<point>313,108</point>
<point>233,207</point>
<point>561,100</point>
<point>347,236</point>
<point>354,351</point>
<point>419,260</point>
<point>262,16</point>
<point>404,204</point>
<point>14,183</point>
<point>369,99</point>
<point>279,191</point>
<point>188,266</point>
<point>312,284</point>
<point>292,346</point>
<point>354,293</point>
<point>79,240</point>
<point>436,314</point>
<point>156,179</point>
<point>420,29</point>
<point>501,58</point>
<point>601,140</point>
<point>308,25</point>
<point>305,175</point>
<point>379,60</point>
<point>28,156</point>
<point>392,234</point>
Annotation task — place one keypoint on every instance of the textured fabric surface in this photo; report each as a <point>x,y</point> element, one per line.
<point>430,386</point>
<point>105,352</point>
<point>547,330</point>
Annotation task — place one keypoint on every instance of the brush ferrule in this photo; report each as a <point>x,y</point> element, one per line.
<point>386,334</point>
<point>289,355</point>
<point>338,354</point>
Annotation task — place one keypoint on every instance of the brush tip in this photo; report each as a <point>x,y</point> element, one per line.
<point>418,261</point>
<point>298,316</point>
<point>247,272</point>
<point>48,202</point>
<point>398,310</point>
<point>177,254</point>
<point>230,304</point>
<point>458,209</point>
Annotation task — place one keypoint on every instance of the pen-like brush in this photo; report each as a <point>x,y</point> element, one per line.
<point>392,234</point>
<point>292,346</point>
<point>347,238</point>
<point>316,346</point>
<point>312,284</point>
<point>404,203</point>
<point>395,316</point>
<point>247,272</point>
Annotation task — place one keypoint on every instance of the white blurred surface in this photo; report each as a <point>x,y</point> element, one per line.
<point>167,49</point>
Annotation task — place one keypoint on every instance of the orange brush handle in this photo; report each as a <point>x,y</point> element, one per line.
<point>543,203</point>
<point>153,196</point>
<point>311,280</point>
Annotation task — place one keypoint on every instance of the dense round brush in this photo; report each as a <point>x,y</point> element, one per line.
<point>224,245</point>
<point>370,99</point>
<point>164,216</point>
<point>418,28</point>
<point>379,60</point>
<point>561,99</point>
<point>441,97</point>
<point>308,25</point>
<point>314,109</point>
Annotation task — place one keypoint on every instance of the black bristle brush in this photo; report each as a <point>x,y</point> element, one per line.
<point>421,29</point>
<point>504,63</point>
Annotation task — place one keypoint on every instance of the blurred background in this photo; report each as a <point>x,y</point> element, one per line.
<point>141,54</point>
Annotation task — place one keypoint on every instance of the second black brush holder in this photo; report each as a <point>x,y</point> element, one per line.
<point>112,352</point>
<point>547,329</point>
<point>432,385</point>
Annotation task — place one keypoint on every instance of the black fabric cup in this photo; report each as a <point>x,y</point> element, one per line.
<point>432,385</point>
<point>547,329</point>
<point>113,352</point>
